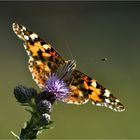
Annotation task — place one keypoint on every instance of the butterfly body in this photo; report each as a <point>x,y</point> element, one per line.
<point>44,59</point>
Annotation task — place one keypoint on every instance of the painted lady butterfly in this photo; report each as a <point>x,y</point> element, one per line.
<point>43,59</point>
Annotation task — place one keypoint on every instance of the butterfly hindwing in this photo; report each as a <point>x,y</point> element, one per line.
<point>85,88</point>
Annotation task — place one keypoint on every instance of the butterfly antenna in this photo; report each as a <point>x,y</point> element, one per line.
<point>69,51</point>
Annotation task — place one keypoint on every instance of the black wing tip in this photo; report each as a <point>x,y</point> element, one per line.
<point>119,108</point>
<point>23,33</point>
<point>16,26</point>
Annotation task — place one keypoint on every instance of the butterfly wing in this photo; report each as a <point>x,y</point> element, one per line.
<point>85,88</point>
<point>43,59</point>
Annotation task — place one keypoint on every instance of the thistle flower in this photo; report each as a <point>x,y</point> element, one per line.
<point>57,86</point>
<point>24,94</point>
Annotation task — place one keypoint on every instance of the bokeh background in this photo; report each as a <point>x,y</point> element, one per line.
<point>86,32</point>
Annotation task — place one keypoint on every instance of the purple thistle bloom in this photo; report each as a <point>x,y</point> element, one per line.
<point>57,86</point>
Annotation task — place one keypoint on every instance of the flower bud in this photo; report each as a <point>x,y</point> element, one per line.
<point>24,94</point>
<point>44,106</point>
<point>45,95</point>
<point>45,119</point>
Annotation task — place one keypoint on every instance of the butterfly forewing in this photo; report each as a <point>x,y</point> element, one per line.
<point>43,59</point>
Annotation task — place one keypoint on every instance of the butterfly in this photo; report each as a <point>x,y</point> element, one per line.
<point>44,59</point>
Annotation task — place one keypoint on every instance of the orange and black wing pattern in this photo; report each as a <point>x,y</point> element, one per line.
<point>84,88</point>
<point>43,60</point>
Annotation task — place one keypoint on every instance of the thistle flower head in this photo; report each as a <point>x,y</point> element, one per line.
<point>57,86</point>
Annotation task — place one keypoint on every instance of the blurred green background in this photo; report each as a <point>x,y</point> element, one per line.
<point>87,32</point>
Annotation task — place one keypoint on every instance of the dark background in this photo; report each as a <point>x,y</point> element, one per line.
<point>87,32</point>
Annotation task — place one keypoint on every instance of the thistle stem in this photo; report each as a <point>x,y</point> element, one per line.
<point>31,129</point>
<point>40,109</point>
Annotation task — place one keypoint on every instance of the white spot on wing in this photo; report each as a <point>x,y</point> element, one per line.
<point>46,46</point>
<point>93,103</point>
<point>33,36</point>
<point>69,102</point>
<point>107,93</point>
<point>28,53</point>
<point>31,59</point>
<point>107,100</point>
<point>117,101</point>
<point>94,83</point>
<point>30,68</point>
<point>25,46</point>
<point>26,37</point>
<point>98,104</point>
<point>110,107</point>
<point>85,101</point>
<point>24,28</point>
